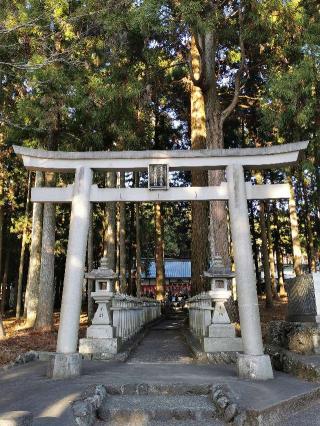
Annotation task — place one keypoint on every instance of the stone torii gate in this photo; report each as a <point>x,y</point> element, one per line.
<point>253,362</point>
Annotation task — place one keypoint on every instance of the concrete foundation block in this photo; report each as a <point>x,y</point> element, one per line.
<point>101,332</point>
<point>16,418</point>
<point>64,366</point>
<point>99,346</point>
<point>254,367</point>
<point>221,330</point>
<point>222,344</point>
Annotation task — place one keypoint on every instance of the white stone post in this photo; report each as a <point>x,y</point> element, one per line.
<point>253,363</point>
<point>66,363</point>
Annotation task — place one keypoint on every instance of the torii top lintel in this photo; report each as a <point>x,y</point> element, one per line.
<point>257,158</point>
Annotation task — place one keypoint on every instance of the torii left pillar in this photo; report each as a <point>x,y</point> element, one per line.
<point>67,361</point>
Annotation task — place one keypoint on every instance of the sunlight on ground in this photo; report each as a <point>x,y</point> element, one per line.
<point>56,409</point>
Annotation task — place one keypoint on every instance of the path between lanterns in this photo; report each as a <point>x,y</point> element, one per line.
<point>164,361</point>
<point>164,343</point>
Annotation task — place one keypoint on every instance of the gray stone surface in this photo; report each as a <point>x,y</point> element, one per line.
<point>85,409</point>
<point>157,407</point>
<point>235,152</point>
<point>27,387</point>
<point>222,344</point>
<point>164,344</point>
<point>307,417</point>
<point>16,418</point>
<point>254,367</point>
<point>99,346</point>
<point>64,366</point>
<point>302,306</point>
<point>221,330</point>
<point>302,366</point>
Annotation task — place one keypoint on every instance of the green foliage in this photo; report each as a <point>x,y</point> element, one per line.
<point>93,75</point>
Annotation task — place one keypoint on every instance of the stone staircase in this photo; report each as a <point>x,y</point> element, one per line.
<point>151,405</point>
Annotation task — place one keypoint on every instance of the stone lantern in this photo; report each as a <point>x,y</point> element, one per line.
<point>104,291</point>
<point>221,334</point>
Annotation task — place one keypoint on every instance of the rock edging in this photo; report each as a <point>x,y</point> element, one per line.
<point>227,407</point>
<point>21,359</point>
<point>85,409</point>
<point>293,363</point>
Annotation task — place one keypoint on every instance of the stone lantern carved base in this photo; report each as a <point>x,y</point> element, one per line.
<point>101,332</point>
<point>105,347</point>
<point>222,338</point>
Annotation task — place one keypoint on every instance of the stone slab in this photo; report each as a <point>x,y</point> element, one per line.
<point>64,366</point>
<point>304,298</point>
<point>254,367</point>
<point>221,330</point>
<point>101,332</point>
<point>121,408</point>
<point>99,346</point>
<point>16,418</point>
<point>222,344</point>
<point>49,400</point>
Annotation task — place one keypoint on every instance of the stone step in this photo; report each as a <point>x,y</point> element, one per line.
<point>141,410</point>
<point>158,389</point>
<point>213,422</point>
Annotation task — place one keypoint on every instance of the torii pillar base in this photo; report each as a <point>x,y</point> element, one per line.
<point>64,366</point>
<point>254,367</point>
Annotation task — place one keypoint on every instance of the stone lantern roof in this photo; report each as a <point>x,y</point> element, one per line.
<point>219,270</point>
<point>103,272</point>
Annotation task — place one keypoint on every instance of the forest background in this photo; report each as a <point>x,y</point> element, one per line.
<point>154,74</point>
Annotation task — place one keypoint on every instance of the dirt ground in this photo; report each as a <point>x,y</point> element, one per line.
<point>20,339</point>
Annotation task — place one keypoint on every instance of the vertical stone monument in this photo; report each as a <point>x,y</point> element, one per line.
<point>221,334</point>
<point>304,298</point>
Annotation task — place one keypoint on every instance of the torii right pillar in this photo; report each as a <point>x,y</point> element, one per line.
<point>253,363</point>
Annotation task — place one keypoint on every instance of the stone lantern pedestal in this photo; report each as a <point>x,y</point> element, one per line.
<point>221,334</point>
<point>101,341</point>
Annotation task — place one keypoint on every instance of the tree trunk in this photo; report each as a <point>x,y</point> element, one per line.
<point>5,293</point>
<point>308,224</point>
<point>109,239</point>
<point>218,221</point>
<point>277,245</point>
<point>122,240</point>
<point>138,241</point>
<point>1,223</point>
<point>90,267</point>
<point>297,256</point>
<point>271,258</point>
<point>22,253</point>
<point>265,256</point>
<point>2,330</point>
<point>159,253</point>
<point>32,290</point>
<point>131,288</point>
<point>199,210</point>
<point>44,318</point>
<point>316,151</point>
<point>255,248</point>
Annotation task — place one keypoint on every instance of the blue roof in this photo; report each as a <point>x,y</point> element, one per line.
<point>174,268</point>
